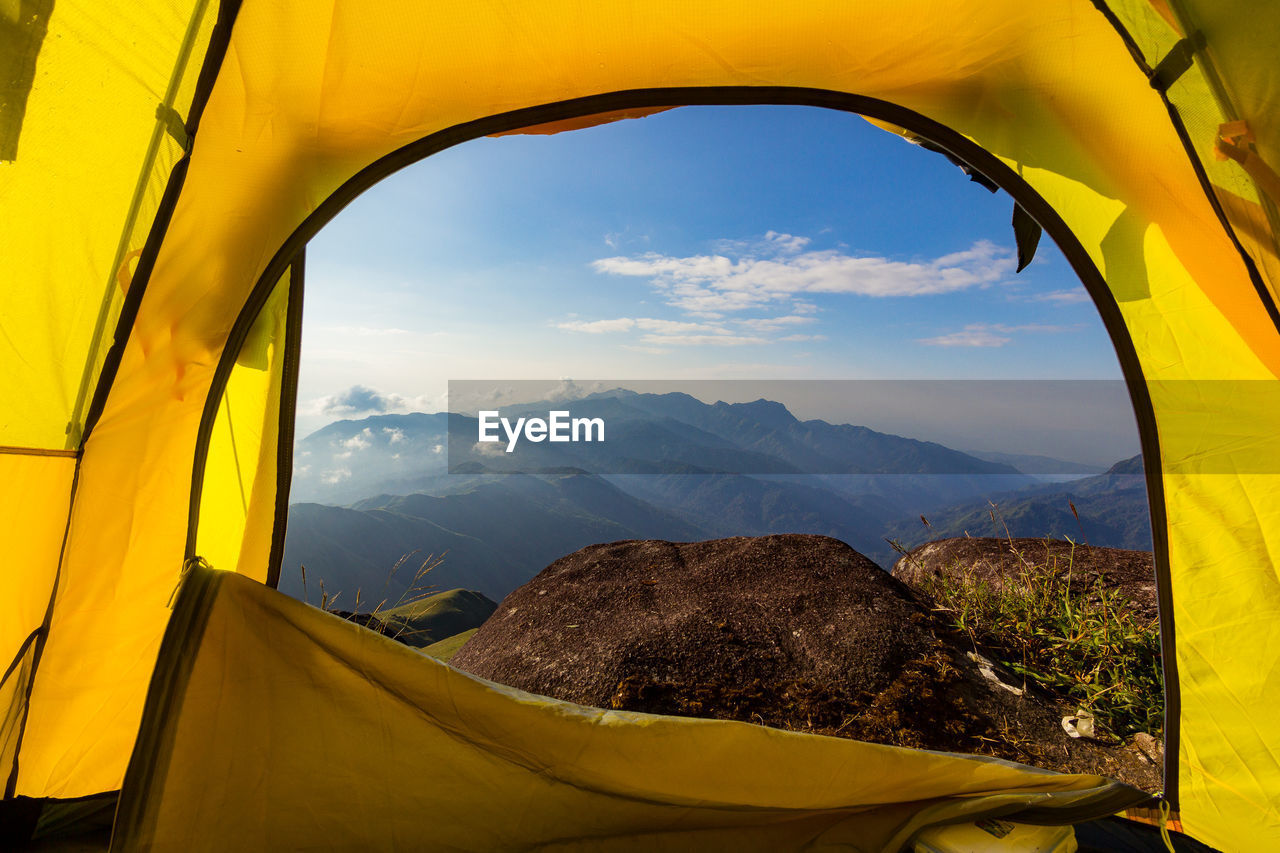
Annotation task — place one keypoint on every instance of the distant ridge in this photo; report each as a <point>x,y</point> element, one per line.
<point>498,530</point>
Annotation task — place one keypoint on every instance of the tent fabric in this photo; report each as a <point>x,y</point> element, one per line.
<point>33,503</point>
<point>89,164</point>
<point>237,524</point>
<point>314,100</point>
<point>1233,81</point>
<point>375,746</point>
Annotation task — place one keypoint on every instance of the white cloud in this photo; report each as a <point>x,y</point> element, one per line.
<point>786,242</point>
<point>361,331</point>
<point>598,327</point>
<point>362,400</point>
<point>773,243</point>
<point>337,475</point>
<point>359,441</point>
<point>659,334</point>
<point>648,324</point>
<point>773,324</point>
<point>694,340</point>
<point>394,435</point>
<point>1046,328</point>
<point>1064,297</point>
<point>792,338</point>
<point>975,335</point>
<point>777,271</point>
<point>990,334</point>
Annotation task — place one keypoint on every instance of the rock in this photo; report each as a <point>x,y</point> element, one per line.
<point>1000,561</point>
<point>1150,748</point>
<point>797,632</point>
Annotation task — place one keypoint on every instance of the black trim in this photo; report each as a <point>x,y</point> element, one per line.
<point>22,650</point>
<point>219,41</point>
<point>974,175</point>
<point>288,414</point>
<point>157,729</point>
<point>1026,235</point>
<point>1176,62</point>
<point>19,817</point>
<point>941,136</point>
<point>174,126</point>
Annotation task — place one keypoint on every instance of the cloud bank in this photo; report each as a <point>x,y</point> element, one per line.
<point>779,269</point>
<point>360,400</point>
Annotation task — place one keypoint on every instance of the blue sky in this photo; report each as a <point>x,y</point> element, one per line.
<point>700,243</point>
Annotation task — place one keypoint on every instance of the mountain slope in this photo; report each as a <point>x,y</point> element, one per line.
<point>493,536</point>
<point>1112,507</point>
<point>646,434</point>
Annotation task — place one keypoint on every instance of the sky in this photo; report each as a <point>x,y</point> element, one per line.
<point>707,243</point>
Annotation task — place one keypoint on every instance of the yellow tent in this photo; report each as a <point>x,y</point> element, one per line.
<point>163,164</point>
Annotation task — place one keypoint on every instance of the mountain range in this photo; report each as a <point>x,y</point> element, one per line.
<point>370,491</point>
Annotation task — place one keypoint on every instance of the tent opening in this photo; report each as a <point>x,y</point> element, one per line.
<point>867,350</point>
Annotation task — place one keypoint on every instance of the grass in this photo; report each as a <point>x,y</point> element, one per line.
<point>387,616</point>
<point>445,649</point>
<point>1077,639</point>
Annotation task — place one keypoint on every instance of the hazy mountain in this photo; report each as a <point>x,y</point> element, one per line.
<point>734,505</point>
<point>493,535</point>
<point>1112,507</point>
<point>814,446</point>
<point>647,434</point>
<point>1040,466</point>
<point>497,530</point>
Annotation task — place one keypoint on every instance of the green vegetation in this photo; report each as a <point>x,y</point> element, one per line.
<point>419,616</point>
<point>444,650</point>
<point>1078,640</point>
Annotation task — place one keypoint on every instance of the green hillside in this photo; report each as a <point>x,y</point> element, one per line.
<point>428,620</point>
<point>449,646</point>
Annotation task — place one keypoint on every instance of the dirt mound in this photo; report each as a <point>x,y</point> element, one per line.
<point>1000,561</point>
<point>797,632</point>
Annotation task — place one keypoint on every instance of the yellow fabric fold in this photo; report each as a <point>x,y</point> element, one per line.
<point>273,725</point>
